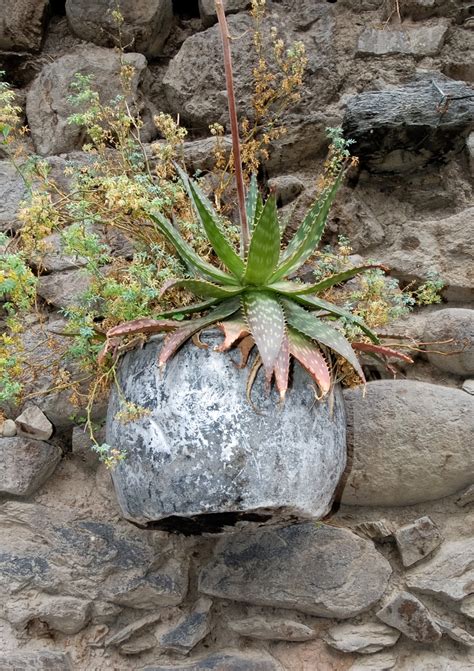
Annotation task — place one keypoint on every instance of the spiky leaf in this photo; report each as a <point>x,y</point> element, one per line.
<point>201,288</point>
<point>187,253</point>
<point>381,350</point>
<point>290,288</point>
<point>266,321</point>
<point>245,347</point>
<point>309,356</point>
<point>174,340</point>
<point>264,249</point>
<point>281,368</point>
<point>190,309</point>
<point>233,331</point>
<point>143,325</point>
<point>209,220</point>
<point>251,202</point>
<point>308,235</point>
<point>316,329</point>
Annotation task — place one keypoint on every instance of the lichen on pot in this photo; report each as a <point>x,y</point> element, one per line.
<point>202,458</point>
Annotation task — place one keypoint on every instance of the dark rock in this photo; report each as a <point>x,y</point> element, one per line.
<point>47,104</point>
<point>417,540</point>
<point>21,24</point>
<point>203,458</point>
<point>403,128</point>
<point>35,661</point>
<point>25,464</point>
<point>406,613</point>
<point>223,661</point>
<point>12,191</point>
<point>286,188</point>
<point>61,554</point>
<point>145,26</point>
<point>401,433</point>
<point>452,332</point>
<point>190,629</point>
<point>66,289</point>
<point>316,569</point>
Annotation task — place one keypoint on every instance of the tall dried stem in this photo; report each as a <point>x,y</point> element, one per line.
<point>234,126</point>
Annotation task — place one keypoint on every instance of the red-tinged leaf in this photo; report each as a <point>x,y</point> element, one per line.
<point>382,350</point>
<point>174,340</point>
<point>309,356</point>
<point>281,368</point>
<point>109,346</point>
<point>233,330</point>
<point>245,347</point>
<point>266,321</point>
<point>143,325</point>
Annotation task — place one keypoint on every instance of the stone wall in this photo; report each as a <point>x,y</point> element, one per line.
<point>386,582</point>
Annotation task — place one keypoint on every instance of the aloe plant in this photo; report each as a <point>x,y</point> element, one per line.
<point>251,296</point>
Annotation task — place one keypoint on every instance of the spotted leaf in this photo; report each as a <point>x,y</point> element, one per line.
<point>266,321</point>
<point>264,248</point>
<point>309,356</point>
<point>281,369</point>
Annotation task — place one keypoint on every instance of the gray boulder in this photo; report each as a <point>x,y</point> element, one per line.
<point>22,24</point>
<point>145,27</point>
<point>47,104</point>
<point>207,9</point>
<point>424,40</point>
<point>316,569</point>
<point>33,423</point>
<point>12,191</point>
<point>65,289</point>
<point>411,442</point>
<point>362,638</point>
<point>403,128</point>
<point>452,332</point>
<point>25,464</point>
<point>203,456</point>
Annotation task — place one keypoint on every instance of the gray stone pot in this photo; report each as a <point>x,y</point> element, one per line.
<point>203,457</point>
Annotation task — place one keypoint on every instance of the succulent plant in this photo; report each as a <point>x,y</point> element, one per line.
<point>253,300</point>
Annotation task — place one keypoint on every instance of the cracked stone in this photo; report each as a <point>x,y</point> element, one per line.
<point>449,575</point>
<point>272,629</point>
<point>317,569</point>
<point>406,613</point>
<point>33,423</point>
<point>417,540</point>
<point>26,464</point>
<point>190,629</point>
<point>362,638</point>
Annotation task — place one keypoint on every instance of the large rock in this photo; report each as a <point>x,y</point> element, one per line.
<point>33,423</point>
<point>66,289</point>
<point>424,40</point>
<point>146,23</point>
<point>449,575</point>
<point>316,569</point>
<point>63,553</point>
<point>12,191</point>
<point>203,458</point>
<point>362,638</point>
<point>47,104</point>
<point>67,615</point>
<point>25,464</point>
<point>207,9</point>
<point>21,24</point>
<point>402,129</point>
<point>451,331</point>
<point>411,442</point>
<point>406,613</point>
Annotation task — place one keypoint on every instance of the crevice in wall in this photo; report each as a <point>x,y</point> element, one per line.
<point>186,9</point>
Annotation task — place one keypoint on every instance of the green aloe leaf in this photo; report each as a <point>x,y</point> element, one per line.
<point>209,221</point>
<point>187,253</point>
<point>308,235</point>
<point>251,201</point>
<point>266,321</point>
<point>281,369</point>
<point>175,339</point>
<point>318,330</point>
<point>190,309</point>
<point>327,283</point>
<point>201,288</point>
<point>309,356</point>
<point>264,249</point>
<point>287,289</point>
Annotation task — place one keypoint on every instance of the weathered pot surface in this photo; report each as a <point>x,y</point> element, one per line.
<point>203,458</point>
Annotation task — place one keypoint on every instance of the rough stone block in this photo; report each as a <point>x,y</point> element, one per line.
<point>22,24</point>
<point>424,40</point>
<point>25,464</point>
<point>406,613</point>
<point>452,332</point>
<point>362,638</point>
<point>418,540</point>
<point>33,423</point>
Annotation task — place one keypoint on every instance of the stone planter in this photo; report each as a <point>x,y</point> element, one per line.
<point>203,457</point>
